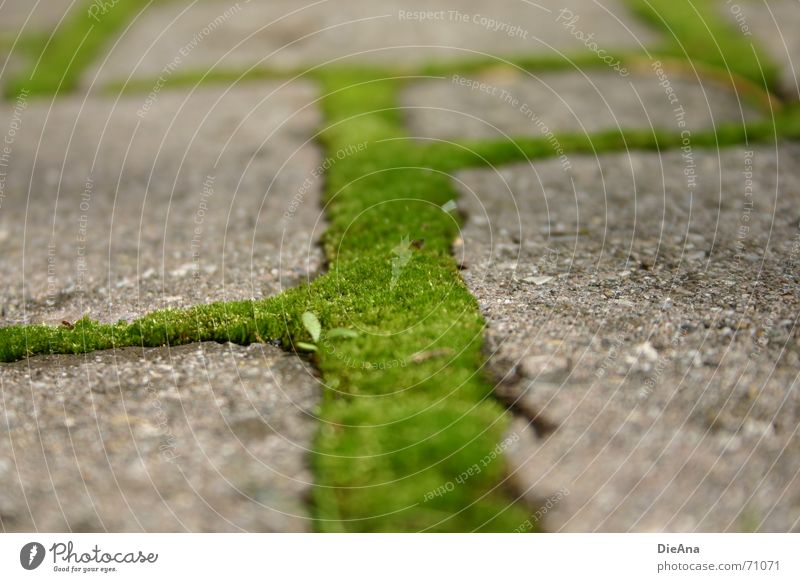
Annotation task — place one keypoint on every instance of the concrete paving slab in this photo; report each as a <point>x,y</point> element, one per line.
<point>286,34</point>
<point>32,16</point>
<point>207,437</point>
<point>117,208</point>
<point>507,102</point>
<point>643,312</point>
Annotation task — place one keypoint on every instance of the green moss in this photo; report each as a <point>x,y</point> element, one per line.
<point>240,322</point>
<point>396,426</point>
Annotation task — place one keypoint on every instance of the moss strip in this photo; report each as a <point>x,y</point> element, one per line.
<point>407,411</point>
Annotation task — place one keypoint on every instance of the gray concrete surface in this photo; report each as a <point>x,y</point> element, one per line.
<point>642,311</point>
<point>117,208</point>
<point>32,16</point>
<point>207,437</point>
<point>509,102</point>
<point>285,33</point>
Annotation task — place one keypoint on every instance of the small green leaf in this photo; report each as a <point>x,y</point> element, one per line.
<point>449,206</point>
<point>341,332</point>
<point>306,347</point>
<point>312,324</point>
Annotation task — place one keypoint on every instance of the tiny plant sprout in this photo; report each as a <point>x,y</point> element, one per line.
<point>449,206</point>
<point>312,325</point>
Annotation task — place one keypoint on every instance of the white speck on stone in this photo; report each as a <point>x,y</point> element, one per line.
<point>696,256</point>
<point>647,352</point>
<point>538,280</point>
<point>183,270</point>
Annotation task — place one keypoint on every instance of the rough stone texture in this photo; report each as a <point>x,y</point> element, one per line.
<point>154,236</point>
<point>514,103</point>
<point>28,16</point>
<point>652,338</point>
<point>772,25</point>
<point>282,33</point>
<point>207,437</point>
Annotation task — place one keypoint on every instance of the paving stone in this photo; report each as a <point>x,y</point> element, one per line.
<point>643,312</point>
<point>772,25</point>
<point>207,437</point>
<point>27,16</point>
<point>116,208</point>
<point>507,102</point>
<point>283,34</point>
